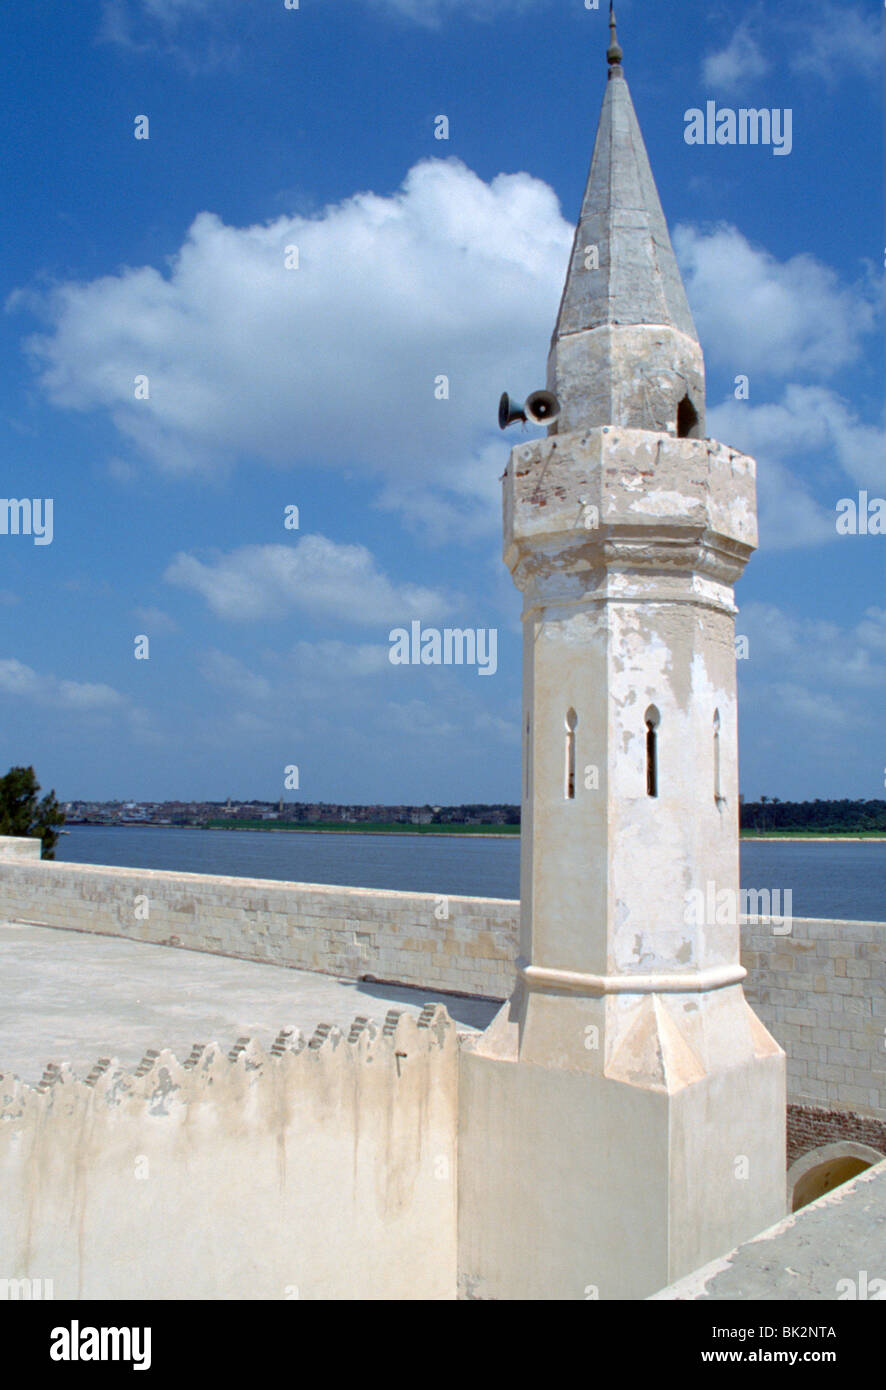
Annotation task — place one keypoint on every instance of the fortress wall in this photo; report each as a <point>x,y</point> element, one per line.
<point>322,1173</point>
<point>822,992</point>
<point>819,990</point>
<point>463,945</point>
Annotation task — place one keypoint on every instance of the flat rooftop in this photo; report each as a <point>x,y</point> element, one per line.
<point>69,996</point>
<point>831,1249</point>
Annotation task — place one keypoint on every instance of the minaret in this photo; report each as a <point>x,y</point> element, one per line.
<point>632,1103</point>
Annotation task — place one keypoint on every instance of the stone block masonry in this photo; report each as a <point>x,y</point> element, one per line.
<point>456,944</point>
<point>820,991</point>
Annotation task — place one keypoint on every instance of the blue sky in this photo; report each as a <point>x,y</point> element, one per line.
<point>314,386</point>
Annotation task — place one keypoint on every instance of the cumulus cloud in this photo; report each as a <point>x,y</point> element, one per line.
<point>317,576</point>
<point>337,363</point>
<point>23,681</point>
<point>817,426</point>
<point>756,313</point>
<point>807,420</point>
<point>741,61</point>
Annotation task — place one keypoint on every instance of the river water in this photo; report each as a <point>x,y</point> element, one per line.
<point>835,879</point>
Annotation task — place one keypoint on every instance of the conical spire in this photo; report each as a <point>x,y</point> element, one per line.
<point>623,270</point>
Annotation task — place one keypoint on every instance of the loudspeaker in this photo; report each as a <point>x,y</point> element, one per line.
<point>541,408</point>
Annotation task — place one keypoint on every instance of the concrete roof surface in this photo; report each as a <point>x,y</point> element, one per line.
<point>68,996</point>
<point>833,1249</point>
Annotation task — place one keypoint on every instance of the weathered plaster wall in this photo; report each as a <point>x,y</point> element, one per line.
<point>321,1170</point>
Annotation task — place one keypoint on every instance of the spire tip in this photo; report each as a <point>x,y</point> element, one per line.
<point>613,53</point>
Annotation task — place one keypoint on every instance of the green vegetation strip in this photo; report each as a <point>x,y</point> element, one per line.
<point>363,827</point>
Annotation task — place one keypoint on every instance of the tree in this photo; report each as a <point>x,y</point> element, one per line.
<point>22,814</point>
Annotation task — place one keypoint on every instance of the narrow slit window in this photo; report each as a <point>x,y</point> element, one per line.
<point>653,719</point>
<point>571,722</point>
<point>718,791</point>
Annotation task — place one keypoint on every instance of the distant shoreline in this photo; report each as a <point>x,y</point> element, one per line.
<point>439,832</point>
<point>333,828</point>
<point>838,835</point>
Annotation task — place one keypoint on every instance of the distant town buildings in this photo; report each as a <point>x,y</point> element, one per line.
<point>202,814</point>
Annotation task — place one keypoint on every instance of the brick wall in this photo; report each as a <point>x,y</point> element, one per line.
<point>810,1128</point>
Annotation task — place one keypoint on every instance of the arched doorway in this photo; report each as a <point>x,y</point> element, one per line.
<point>821,1170</point>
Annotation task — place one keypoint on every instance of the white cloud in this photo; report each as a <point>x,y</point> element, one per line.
<point>341,659</point>
<point>755,313</point>
<point>334,582</point>
<point>829,661</point>
<point>815,685</point>
<point>741,61</point>
<point>821,39</point>
<point>227,673</point>
<point>195,33</point>
<point>432,13</point>
<point>807,420</point>
<point>333,364</point>
<point>155,620</point>
<point>808,423</point>
<point>20,680</point>
<point>170,14</point>
<point>836,41</point>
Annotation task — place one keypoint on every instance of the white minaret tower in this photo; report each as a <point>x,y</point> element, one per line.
<point>623,1117</point>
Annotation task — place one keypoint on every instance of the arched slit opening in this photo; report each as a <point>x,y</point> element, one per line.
<point>653,719</point>
<point>687,420</point>
<point>571,723</point>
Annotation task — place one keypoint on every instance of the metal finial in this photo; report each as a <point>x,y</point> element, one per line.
<point>613,53</point>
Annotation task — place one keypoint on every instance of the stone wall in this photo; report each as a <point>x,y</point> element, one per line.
<point>461,945</point>
<point>819,990</point>
<point>321,1170</point>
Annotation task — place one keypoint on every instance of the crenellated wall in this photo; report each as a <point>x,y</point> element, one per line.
<point>322,1169</point>
<point>819,989</point>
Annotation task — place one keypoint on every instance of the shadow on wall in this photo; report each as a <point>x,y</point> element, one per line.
<point>821,1170</point>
